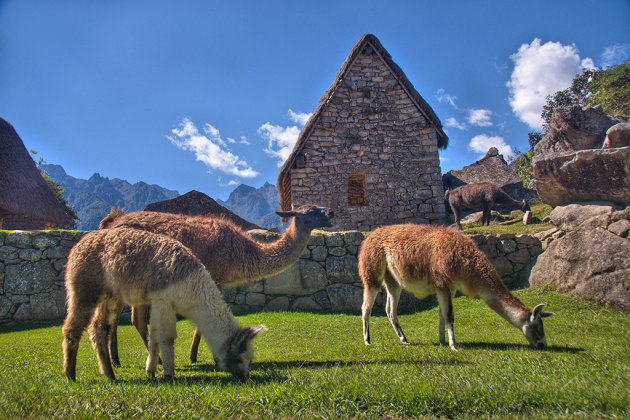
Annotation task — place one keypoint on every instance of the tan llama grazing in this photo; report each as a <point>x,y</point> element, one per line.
<point>230,255</point>
<point>482,196</point>
<point>426,260</point>
<point>109,268</point>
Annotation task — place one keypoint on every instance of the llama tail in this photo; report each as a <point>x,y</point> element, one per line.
<point>447,193</point>
<point>110,218</point>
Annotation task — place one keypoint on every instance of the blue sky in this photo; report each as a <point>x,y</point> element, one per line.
<point>206,95</point>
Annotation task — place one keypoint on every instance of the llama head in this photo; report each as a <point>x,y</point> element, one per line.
<point>241,352</point>
<point>310,215</point>
<point>533,328</point>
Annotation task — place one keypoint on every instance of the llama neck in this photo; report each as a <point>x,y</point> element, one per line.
<point>508,306</point>
<point>508,201</point>
<point>269,259</point>
<point>213,317</point>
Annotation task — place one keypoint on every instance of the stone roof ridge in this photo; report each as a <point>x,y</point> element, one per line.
<point>371,41</point>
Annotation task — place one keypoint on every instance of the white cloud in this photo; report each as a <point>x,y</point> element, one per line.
<point>244,140</point>
<point>281,140</point>
<point>541,70</point>
<point>452,122</point>
<point>482,142</point>
<point>480,117</point>
<point>299,117</point>
<point>615,54</point>
<point>209,149</point>
<point>443,96</point>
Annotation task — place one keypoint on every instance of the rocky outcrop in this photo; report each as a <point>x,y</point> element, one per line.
<point>576,128</point>
<point>588,254</point>
<point>584,175</point>
<point>570,164</point>
<point>491,168</point>
<point>617,136</point>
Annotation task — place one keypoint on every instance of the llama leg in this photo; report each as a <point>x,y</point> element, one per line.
<point>393,296</point>
<point>100,333</point>
<point>441,329</point>
<point>446,315</point>
<point>113,345</point>
<point>113,339</point>
<point>369,296</point>
<point>485,217</point>
<point>139,320</point>
<point>153,357</point>
<point>78,318</point>
<point>458,214</point>
<point>194,346</point>
<point>162,334</point>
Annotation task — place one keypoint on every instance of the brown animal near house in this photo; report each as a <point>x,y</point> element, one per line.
<point>482,196</point>
<point>109,268</point>
<point>426,260</point>
<point>230,255</point>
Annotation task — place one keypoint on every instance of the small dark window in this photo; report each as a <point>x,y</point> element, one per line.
<point>300,161</point>
<point>357,193</point>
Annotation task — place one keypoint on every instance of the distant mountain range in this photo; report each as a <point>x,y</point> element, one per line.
<point>94,197</point>
<point>255,205</point>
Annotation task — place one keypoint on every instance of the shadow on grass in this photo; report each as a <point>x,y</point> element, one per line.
<point>514,346</point>
<point>318,364</point>
<point>224,379</point>
<point>30,326</point>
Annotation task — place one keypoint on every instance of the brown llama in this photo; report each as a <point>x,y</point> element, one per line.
<point>482,196</point>
<point>230,255</point>
<point>428,260</point>
<point>109,268</point>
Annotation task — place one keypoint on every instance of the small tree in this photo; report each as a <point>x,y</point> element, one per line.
<point>522,162</point>
<point>58,190</point>
<point>609,88</point>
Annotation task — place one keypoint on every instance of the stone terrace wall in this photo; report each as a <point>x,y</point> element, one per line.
<point>324,278</point>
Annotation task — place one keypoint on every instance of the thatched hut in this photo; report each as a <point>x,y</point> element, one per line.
<point>26,200</point>
<point>370,149</point>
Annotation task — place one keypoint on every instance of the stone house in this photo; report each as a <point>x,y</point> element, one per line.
<point>370,149</point>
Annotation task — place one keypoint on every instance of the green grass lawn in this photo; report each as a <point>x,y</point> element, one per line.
<point>514,222</point>
<point>316,366</point>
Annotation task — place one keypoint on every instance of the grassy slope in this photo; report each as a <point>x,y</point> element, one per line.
<point>514,223</point>
<point>316,365</point>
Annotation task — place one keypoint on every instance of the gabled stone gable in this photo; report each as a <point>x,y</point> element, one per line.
<point>370,133</point>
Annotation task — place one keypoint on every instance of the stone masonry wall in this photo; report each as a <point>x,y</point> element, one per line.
<point>371,129</point>
<point>324,278</point>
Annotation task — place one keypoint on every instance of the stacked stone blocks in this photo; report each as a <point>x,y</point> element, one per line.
<point>371,126</point>
<point>325,278</point>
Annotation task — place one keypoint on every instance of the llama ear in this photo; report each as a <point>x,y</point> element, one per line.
<point>537,311</point>
<point>254,331</point>
<point>286,214</point>
<point>546,314</point>
<point>245,335</point>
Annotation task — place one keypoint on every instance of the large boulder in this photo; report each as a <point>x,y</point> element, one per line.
<point>592,259</point>
<point>576,128</point>
<point>585,175</point>
<point>491,168</point>
<point>617,136</point>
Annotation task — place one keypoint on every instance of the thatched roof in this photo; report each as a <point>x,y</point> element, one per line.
<point>195,203</point>
<point>283,183</point>
<point>23,191</point>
